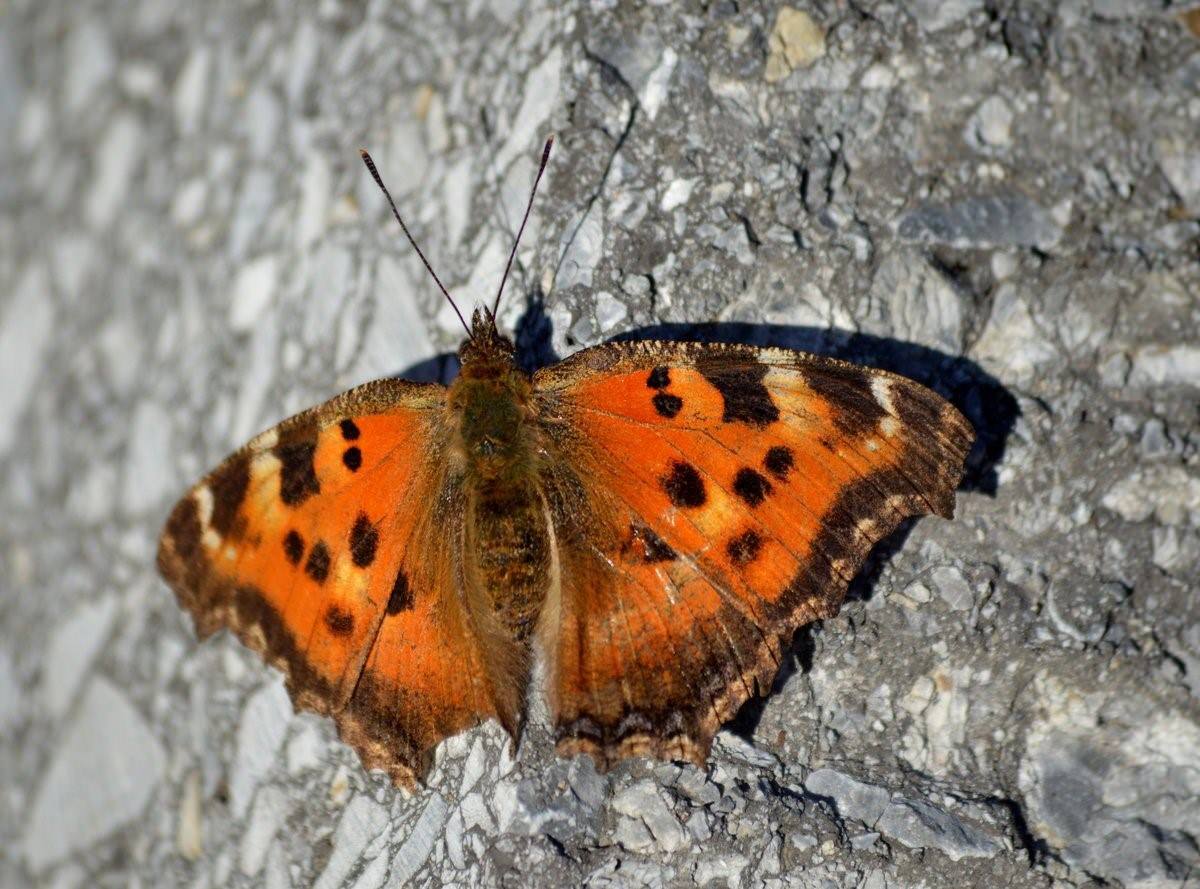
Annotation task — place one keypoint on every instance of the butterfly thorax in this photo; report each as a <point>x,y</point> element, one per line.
<point>489,405</point>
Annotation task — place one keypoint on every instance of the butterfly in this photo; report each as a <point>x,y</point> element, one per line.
<point>654,519</point>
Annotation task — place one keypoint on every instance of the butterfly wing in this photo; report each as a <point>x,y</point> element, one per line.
<point>330,545</point>
<point>706,501</point>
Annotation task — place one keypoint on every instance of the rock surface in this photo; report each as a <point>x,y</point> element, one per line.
<point>997,199</point>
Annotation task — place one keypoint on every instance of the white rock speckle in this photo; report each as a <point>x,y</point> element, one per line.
<point>266,815</point>
<point>541,91</point>
<point>657,87</point>
<point>92,62</point>
<point>315,186</point>
<point>362,821</point>
<point>117,158</point>
<point>25,333</point>
<point>1166,366</point>
<point>253,290</point>
<point>416,848</point>
<point>643,803</point>
<point>149,473</point>
<point>72,648</point>
<point>260,735</point>
<point>189,836</point>
<point>991,125</point>
<point>191,89</point>
<point>583,254</point>
<point>677,194</point>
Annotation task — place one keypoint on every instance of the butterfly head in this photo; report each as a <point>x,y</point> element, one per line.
<point>486,345</point>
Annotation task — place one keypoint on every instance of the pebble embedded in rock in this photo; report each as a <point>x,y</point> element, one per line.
<point>796,41</point>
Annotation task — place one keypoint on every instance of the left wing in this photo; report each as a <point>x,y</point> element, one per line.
<point>332,545</point>
<point>706,501</point>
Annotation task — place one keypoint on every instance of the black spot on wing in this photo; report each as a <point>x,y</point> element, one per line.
<point>660,378</point>
<point>751,486</point>
<point>740,383</point>
<point>364,538</point>
<point>848,391</point>
<point>779,461</point>
<point>744,548</point>
<point>667,405</point>
<point>339,621</point>
<point>228,486</point>
<point>684,486</point>
<point>317,566</point>
<point>352,457</point>
<point>401,598</point>
<point>349,430</point>
<point>297,475</point>
<point>293,547</point>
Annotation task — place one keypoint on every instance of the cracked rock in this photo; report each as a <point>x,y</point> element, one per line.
<point>915,823</point>
<point>1114,795</point>
<point>651,824</point>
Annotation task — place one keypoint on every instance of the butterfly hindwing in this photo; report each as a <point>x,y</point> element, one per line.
<point>707,501</point>
<point>316,546</point>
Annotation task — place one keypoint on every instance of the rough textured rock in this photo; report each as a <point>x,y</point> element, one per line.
<point>998,199</point>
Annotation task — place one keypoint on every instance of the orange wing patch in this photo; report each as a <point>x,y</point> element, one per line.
<point>708,501</point>
<point>308,544</point>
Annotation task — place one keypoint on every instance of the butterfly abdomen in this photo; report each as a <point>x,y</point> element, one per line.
<point>513,551</point>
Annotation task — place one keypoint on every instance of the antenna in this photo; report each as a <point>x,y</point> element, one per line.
<point>524,219</point>
<point>387,194</point>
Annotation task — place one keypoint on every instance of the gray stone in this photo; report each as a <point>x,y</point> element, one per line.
<point>1000,220</point>
<point>12,699</point>
<point>644,803</point>
<point>93,63</point>
<point>73,647</point>
<point>915,823</point>
<point>1171,494</point>
<point>414,850</point>
<point>1157,365</point>
<point>919,825</point>
<point>584,245</point>
<point>362,822</point>
<point>102,775</point>
<point>260,735</point>
<point>991,124</point>
<point>1114,797</point>
<point>935,15</point>
<point>117,158</point>
<point>253,291</point>
<point>266,816</point>
<point>953,586</point>
<point>1180,163</point>
<point>563,802</point>
<point>853,799</point>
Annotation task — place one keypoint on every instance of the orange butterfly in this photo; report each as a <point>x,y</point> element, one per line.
<point>655,518</point>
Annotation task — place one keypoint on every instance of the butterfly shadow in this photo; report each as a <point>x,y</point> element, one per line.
<point>981,398</point>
